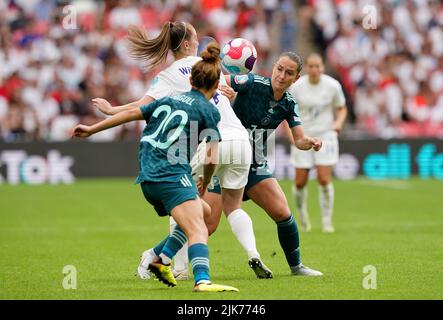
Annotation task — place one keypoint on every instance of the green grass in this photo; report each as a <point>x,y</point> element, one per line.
<point>102,226</point>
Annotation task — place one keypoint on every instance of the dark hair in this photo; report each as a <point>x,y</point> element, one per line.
<point>154,51</point>
<point>206,72</point>
<point>294,57</point>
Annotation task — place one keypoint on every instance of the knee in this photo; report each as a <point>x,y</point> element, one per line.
<point>323,181</point>
<point>280,212</point>
<point>300,184</point>
<point>212,227</point>
<point>196,231</point>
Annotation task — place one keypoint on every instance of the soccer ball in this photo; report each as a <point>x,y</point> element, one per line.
<point>238,56</point>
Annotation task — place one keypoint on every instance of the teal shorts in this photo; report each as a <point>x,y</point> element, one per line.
<point>256,174</point>
<point>165,196</point>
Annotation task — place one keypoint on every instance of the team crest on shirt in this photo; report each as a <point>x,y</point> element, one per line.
<point>272,105</point>
<point>154,82</point>
<point>241,79</point>
<point>265,121</point>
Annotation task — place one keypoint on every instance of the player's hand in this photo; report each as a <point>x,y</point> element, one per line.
<point>103,105</point>
<point>81,131</point>
<point>227,91</point>
<point>316,144</point>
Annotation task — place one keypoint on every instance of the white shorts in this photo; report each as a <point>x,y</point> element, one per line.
<point>326,156</point>
<point>232,170</point>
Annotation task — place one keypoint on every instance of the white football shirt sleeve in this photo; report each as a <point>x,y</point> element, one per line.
<point>339,99</point>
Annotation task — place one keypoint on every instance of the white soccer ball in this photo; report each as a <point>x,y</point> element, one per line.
<point>238,56</point>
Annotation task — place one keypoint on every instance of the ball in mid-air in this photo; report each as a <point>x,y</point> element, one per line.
<point>238,56</point>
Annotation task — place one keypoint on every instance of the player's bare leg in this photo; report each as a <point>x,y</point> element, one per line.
<point>180,269</point>
<point>326,196</point>
<point>278,210</point>
<point>190,217</point>
<point>214,201</point>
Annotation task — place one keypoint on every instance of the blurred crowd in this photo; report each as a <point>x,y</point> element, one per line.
<point>55,56</point>
<point>390,63</point>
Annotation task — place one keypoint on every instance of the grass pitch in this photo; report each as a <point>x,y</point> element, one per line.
<point>102,226</point>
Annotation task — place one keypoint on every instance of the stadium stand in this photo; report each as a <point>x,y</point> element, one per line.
<point>57,55</point>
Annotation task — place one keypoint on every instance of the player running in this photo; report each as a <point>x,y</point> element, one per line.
<point>261,104</point>
<point>323,112</point>
<point>170,188</point>
<point>235,152</point>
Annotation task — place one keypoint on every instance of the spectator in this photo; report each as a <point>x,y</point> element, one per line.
<point>401,56</point>
<point>57,70</point>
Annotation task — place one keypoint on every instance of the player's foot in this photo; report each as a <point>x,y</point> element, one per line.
<point>180,274</point>
<point>143,268</point>
<point>260,269</point>
<point>301,270</point>
<point>328,228</point>
<point>163,273</point>
<point>212,287</point>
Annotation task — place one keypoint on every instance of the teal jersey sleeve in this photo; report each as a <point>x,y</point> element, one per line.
<point>242,82</point>
<point>148,109</point>
<point>211,132</point>
<point>292,115</point>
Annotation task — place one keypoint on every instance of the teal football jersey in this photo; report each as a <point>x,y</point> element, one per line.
<point>174,127</point>
<point>259,112</point>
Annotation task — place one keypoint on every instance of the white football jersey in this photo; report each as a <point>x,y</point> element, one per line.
<point>175,80</point>
<point>317,103</point>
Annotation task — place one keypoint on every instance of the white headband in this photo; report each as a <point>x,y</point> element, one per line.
<point>184,36</point>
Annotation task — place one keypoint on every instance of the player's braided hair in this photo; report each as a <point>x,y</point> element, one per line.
<point>154,51</point>
<point>206,72</point>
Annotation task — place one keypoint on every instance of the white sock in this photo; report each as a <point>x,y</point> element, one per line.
<point>326,201</point>
<point>301,203</point>
<point>181,258</point>
<point>149,256</point>
<point>241,225</point>
<point>165,259</point>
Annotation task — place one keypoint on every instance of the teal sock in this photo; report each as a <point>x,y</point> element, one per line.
<point>199,258</point>
<point>175,242</point>
<point>158,248</point>
<point>289,240</point>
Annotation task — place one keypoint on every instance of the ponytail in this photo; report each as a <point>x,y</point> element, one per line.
<point>155,51</point>
<point>206,72</point>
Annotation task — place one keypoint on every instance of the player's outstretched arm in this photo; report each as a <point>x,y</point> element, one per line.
<point>105,107</point>
<point>304,142</point>
<point>82,131</point>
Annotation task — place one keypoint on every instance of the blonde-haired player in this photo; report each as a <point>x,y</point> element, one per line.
<point>323,112</point>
